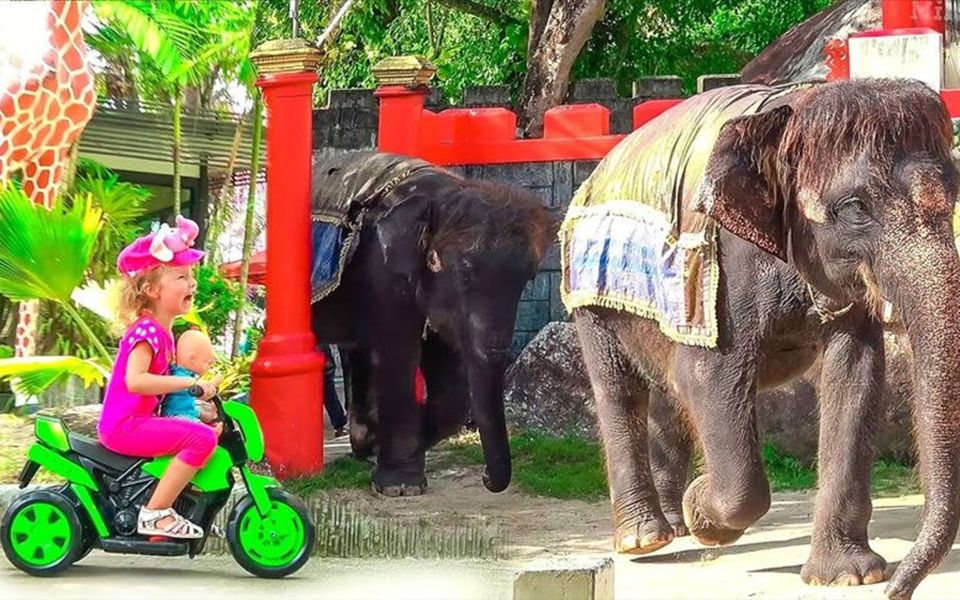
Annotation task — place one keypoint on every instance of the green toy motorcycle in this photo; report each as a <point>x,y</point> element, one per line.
<point>44,531</point>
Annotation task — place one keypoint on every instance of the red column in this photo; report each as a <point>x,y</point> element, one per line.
<point>897,14</point>
<point>930,13</point>
<point>286,388</point>
<point>401,114</point>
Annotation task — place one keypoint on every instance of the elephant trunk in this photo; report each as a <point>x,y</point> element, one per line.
<point>930,304</point>
<point>485,374</point>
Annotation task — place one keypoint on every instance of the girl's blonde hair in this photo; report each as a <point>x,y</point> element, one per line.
<point>133,296</point>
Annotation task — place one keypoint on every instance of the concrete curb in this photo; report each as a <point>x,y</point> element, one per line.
<point>565,578</point>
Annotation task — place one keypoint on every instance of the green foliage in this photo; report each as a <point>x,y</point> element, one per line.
<point>785,472</point>
<point>235,373</point>
<point>45,253</point>
<point>122,205</point>
<point>569,468</point>
<point>32,375</point>
<point>687,38</point>
<point>467,50</point>
<point>216,299</point>
<point>343,473</point>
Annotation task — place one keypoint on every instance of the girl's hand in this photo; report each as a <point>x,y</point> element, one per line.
<point>209,387</point>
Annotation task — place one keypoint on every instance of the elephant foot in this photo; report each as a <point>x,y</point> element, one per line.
<point>675,520</point>
<point>855,565</point>
<point>702,528</point>
<point>394,484</point>
<point>363,442</point>
<point>643,537</point>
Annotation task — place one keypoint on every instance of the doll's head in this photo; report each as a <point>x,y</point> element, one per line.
<point>195,351</point>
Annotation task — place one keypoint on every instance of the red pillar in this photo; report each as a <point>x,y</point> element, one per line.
<point>286,388</point>
<point>897,14</point>
<point>930,13</point>
<point>401,115</point>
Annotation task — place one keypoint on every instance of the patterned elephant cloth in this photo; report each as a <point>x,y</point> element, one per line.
<point>349,189</point>
<point>631,240</point>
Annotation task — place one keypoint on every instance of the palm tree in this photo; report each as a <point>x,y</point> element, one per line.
<point>180,44</point>
<point>44,254</point>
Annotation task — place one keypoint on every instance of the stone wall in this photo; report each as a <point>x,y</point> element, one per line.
<point>349,122</point>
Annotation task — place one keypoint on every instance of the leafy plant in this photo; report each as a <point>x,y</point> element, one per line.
<point>216,299</point>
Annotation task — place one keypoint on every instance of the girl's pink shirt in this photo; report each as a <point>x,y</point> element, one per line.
<point>119,402</point>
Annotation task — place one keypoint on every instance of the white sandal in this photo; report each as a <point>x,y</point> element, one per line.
<point>179,528</point>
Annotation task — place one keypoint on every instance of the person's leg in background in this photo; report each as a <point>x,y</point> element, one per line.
<point>331,400</point>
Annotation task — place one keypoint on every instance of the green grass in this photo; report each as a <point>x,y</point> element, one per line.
<point>786,473</point>
<point>566,468</point>
<point>343,473</point>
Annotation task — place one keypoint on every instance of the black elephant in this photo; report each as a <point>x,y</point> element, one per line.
<point>428,271</point>
<point>829,202</point>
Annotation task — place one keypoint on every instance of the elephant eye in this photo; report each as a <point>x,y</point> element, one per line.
<point>852,210</point>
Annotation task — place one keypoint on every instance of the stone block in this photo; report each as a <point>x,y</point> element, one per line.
<point>567,578</point>
<point>519,342</point>
<point>538,288</point>
<point>562,183</point>
<point>352,98</point>
<point>592,90</point>
<point>529,175</point>
<point>551,260</point>
<point>479,96</point>
<point>367,119</point>
<point>667,86</point>
<point>557,311</point>
<point>545,194</point>
<point>621,116</point>
<point>532,315</point>
<point>712,82</point>
<point>436,100</point>
<point>324,122</point>
<point>354,139</point>
<point>581,170</point>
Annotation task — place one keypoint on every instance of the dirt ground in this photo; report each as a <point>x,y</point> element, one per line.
<point>765,563</point>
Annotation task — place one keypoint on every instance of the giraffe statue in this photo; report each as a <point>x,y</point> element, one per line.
<point>47,97</point>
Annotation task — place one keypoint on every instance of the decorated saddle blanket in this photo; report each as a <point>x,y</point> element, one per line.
<point>631,240</point>
<point>347,190</point>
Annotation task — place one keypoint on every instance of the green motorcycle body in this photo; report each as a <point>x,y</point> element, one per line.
<point>269,532</point>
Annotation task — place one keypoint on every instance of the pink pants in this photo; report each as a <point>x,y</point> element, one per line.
<point>191,441</point>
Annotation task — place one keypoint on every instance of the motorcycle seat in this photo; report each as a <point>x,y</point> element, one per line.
<point>94,450</point>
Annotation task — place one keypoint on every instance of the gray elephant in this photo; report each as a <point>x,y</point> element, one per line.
<point>723,247</point>
<point>417,266</point>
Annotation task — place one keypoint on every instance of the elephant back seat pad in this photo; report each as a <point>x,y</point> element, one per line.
<point>631,239</point>
<point>349,189</point>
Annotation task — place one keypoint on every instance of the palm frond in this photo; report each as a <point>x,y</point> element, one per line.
<point>44,253</point>
<point>32,375</point>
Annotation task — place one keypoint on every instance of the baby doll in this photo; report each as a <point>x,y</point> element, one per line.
<point>194,357</point>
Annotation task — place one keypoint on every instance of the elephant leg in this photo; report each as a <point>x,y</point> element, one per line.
<point>718,390</point>
<point>850,404</point>
<point>447,390</point>
<point>361,404</point>
<point>621,400</point>
<point>670,449</point>
<point>400,444</point>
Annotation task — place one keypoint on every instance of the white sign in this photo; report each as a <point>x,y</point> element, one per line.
<point>915,55</point>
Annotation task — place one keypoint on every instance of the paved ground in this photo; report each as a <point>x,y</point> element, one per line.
<point>764,564</point>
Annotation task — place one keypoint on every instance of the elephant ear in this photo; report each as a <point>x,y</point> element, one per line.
<point>740,189</point>
<point>404,234</point>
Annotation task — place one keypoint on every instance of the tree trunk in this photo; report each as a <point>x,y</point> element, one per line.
<point>177,109</point>
<point>248,223</point>
<point>219,213</point>
<point>558,31</point>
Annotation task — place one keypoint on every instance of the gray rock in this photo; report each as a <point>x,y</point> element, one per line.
<point>547,388</point>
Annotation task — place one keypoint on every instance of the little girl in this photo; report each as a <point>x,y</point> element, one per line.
<point>158,282</point>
